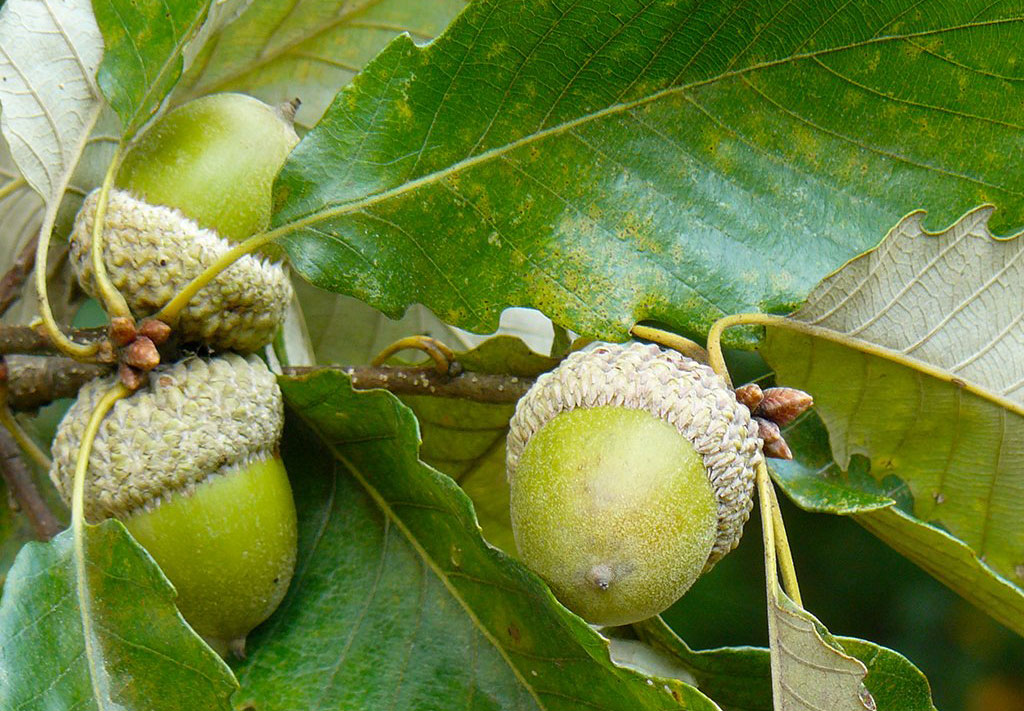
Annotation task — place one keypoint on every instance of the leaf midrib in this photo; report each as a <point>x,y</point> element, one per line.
<point>386,509</point>
<point>499,151</point>
<point>893,356</point>
<point>181,40</point>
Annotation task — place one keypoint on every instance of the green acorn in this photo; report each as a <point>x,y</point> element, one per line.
<point>631,471</point>
<point>215,159</point>
<point>190,465</point>
<point>197,180</point>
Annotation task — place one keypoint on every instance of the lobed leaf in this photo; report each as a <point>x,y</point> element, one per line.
<point>810,669</point>
<point>908,351</point>
<point>883,506</point>
<point>608,162</point>
<point>397,600</point>
<point>740,677</point>
<point>127,648</point>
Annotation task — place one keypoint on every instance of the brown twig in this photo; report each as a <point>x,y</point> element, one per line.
<point>19,481</point>
<point>478,387</point>
<point>17,275</point>
<point>33,381</point>
<point>27,340</point>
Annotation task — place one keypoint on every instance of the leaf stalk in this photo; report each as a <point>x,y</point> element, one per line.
<point>112,299</point>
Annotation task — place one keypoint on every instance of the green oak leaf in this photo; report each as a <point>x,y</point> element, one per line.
<point>144,56</point>
<point>740,677</point>
<point>397,600</point>
<point>611,161</point>
<point>466,440</point>
<point>280,49</point>
<point>127,649</point>
<point>908,352</point>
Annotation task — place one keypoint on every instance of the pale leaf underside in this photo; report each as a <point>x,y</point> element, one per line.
<point>49,52</point>
<point>952,299</point>
<point>912,354</point>
<point>809,672</point>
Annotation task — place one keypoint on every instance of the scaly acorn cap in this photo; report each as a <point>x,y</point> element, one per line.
<point>151,252</point>
<point>688,395</point>
<point>195,419</point>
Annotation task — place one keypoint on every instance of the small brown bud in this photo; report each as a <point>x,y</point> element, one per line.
<point>749,395</point>
<point>155,330</point>
<point>141,354</point>
<point>783,405</point>
<point>132,378</point>
<point>106,352</point>
<point>772,442</point>
<point>122,330</point>
<point>777,450</point>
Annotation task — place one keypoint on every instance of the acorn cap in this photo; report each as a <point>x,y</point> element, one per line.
<point>195,418</point>
<point>686,394</point>
<point>152,252</point>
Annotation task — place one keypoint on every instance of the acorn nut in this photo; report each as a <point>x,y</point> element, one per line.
<point>190,465</point>
<point>632,472</point>
<point>197,180</point>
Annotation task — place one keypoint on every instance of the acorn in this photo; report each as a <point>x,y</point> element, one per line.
<point>632,473</point>
<point>198,180</point>
<point>190,465</point>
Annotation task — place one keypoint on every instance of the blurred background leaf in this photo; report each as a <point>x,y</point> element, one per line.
<point>278,50</point>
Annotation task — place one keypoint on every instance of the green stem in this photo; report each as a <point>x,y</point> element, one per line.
<point>24,442</point>
<point>112,300</point>
<point>777,553</point>
<point>690,349</point>
<point>715,358</point>
<point>785,554</point>
<point>117,392</point>
<point>79,351</point>
<point>767,532</point>
<point>172,309</point>
<point>442,355</point>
